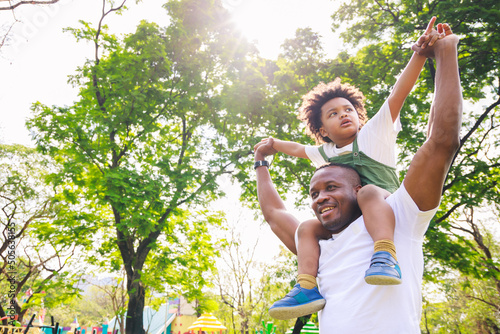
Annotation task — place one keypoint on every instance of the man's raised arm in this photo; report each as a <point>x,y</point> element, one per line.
<point>282,223</point>
<point>429,167</point>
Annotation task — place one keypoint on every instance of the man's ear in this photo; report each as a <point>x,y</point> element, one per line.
<point>356,189</point>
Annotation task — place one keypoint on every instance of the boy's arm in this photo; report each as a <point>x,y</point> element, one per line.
<point>287,147</point>
<point>407,80</point>
<point>405,84</point>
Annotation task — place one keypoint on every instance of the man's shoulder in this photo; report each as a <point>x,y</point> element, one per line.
<point>406,210</point>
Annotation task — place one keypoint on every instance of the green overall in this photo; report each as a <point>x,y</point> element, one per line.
<point>370,170</point>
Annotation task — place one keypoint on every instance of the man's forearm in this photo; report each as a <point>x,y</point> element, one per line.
<point>282,223</point>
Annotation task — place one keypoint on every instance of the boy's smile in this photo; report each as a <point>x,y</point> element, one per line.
<point>340,121</point>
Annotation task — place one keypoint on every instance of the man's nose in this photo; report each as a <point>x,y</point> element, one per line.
<point>321,197</point>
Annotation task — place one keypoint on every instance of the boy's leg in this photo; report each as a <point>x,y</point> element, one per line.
<point>304,298</point>
<point>308,235</point>
<point>380,223</point>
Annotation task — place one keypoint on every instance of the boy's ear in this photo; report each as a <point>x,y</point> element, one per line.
<point>323,132</point>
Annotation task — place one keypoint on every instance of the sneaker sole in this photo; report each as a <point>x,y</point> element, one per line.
<point>285,313</point>
<point>382,280</point>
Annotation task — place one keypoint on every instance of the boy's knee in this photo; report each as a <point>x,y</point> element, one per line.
<point>304,228</point>
<point>370,191</point>
<point>309,228</point>
<point>371,195</point>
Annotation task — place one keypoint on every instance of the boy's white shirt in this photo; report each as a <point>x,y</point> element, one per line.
<point>377,139</point>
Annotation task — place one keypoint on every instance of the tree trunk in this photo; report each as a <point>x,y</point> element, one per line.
<point>2,315</point>
<point>299,323</point>
<point>135,309</point>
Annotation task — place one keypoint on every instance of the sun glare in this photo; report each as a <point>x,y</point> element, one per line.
<point>261,22</point>
<point>269,22</point>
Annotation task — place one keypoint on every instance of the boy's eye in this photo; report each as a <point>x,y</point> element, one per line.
<point>333,114</point>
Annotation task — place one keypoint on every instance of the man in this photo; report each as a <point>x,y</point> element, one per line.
<point>352,306</point>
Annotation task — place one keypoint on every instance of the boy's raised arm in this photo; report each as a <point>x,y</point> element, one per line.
<point>410,74</point>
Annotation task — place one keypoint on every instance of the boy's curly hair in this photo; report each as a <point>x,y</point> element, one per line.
<point>310,110</point>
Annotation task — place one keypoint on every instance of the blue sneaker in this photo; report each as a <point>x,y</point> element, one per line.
<point>384,270</point>
<point>297,303</point>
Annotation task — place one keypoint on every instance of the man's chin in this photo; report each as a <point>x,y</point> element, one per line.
<point>333,227</point>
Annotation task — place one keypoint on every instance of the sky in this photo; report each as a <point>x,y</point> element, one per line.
<point>35,64</point>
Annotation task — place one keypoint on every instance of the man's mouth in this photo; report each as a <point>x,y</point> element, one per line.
<point>326,209</point>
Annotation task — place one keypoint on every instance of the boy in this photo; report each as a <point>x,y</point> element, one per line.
<point>335,117</point>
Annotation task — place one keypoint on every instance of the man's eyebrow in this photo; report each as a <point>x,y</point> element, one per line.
<point>313,188</point>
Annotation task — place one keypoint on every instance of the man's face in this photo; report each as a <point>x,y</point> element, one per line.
<point>334,198</point>
<point>340,121</point>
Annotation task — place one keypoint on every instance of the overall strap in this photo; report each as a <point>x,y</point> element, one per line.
<point>355,152</point>
<point>322,152</point>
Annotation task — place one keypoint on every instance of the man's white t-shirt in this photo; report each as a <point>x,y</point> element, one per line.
<point>377,139</point>
<point>352,305</point>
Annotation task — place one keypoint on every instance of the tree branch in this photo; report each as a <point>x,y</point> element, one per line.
<point>14,6</point>
<point>475,127</point>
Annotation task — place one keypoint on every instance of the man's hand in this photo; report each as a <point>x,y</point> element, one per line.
<point>264,148</point>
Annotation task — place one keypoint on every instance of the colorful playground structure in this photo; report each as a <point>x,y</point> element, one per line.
<point>177,316</point>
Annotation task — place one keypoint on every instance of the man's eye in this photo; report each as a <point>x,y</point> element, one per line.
<point>330,187</point>
<point>314,195</point>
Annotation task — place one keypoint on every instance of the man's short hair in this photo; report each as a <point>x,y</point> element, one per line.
<point>310,110</point>
<point>354,177</point>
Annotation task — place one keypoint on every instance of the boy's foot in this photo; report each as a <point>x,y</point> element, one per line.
<point>297,303</point>
<point>384,270</point>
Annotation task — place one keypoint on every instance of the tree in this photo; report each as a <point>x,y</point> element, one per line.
<point>99,300</point>
<point>465,305</point>
<point>146,142</point>
<point>30,260</point>
<point>8,5</point>
<point>246,287</point>
<point>11,5</point>
<point>299,67</point>
<point>238,286</point>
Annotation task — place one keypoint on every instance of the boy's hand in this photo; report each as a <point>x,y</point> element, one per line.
<point>430,35</point>
<point>425,43</point>
<point>264,141</point>
<point>264,148</point>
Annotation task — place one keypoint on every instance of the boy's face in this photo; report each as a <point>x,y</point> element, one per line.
<point>340,121</point>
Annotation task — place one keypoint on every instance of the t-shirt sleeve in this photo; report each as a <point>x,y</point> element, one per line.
<point>409,218</point>
<point>315,156</point>
<point>377,138</point>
